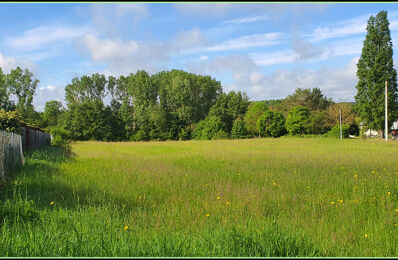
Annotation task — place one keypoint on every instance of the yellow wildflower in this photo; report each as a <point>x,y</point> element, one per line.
<point>52,203</point>
<point>207,214</point>
<point>389,193</point>
<point>340,201</point>
<point>396,210</point>
<point>366,235</point>
<point>218,198</point>
<point>126,227</point>
<point>332,202</point>
<point>227,203</point>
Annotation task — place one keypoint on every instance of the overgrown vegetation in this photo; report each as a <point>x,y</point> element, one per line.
<point>252,197</point>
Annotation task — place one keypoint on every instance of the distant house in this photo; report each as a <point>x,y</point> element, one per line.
<point>374,133</point>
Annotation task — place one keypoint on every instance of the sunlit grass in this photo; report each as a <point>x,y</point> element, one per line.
<point>257,197</point>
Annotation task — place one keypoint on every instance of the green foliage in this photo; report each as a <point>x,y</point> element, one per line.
<point>229,107</point>
<point>5,103</point>
<point>210,127</point>
<point>220,134</point>
<point>185,134</point>
<point>52,111</point>
<point>18,210</point>
<point>312,99</point>
<point>9,121</point>
<point>141,136</point>
<point>60,135</point>
<point>297,120</point>
<point>238,129</point>
<point>375,66</point>
<point>335,131</point>
<point>89,121</point>
<point>86,89</point>
<point>21,83</point>
<point>316,123</point>
<point>198,128</point>
<point>271,124</point>
<point>254,111</point>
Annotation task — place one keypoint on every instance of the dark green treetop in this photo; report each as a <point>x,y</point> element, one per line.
<point>375,66</point>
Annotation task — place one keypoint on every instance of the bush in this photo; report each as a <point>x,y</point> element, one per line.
<point>238,129</point>
<point>197,131</point>
<point>59,135</point>
<point>206,129</point>
<point>254,111</point>
<point>297,120</point>
<point>335,131</point>
<point>271,124</point>
<point>212,126</point>
<point>185,134</point>
<point>141,136</point>
<point>9,121</point>
<point>220,135</point>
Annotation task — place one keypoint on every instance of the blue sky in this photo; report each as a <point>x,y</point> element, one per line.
<point>264,49</point>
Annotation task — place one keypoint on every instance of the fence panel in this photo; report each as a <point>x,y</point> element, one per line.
<point>13,145</point>
<point>32,138</point>
<point>10,152</point>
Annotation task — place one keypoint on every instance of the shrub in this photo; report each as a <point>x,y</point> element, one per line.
<point>212,126</point>
<point>335,131</point>
<point>254,111</point>
<point>220,135</point>
<point>185,134</point>
<point>297,120</point>
<point>197,131</point>
<point>206,129</point>
<point>59,135</point>
<point>238,129</point>
<point>9,121</point>
<point>271,124</point>
<point>141,136</point>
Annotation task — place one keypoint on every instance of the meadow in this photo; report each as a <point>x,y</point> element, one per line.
<point>254,197</point>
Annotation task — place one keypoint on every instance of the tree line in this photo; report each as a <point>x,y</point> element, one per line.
<point>170,105</point>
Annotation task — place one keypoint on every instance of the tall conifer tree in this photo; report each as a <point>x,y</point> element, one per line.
<point>375,66</point>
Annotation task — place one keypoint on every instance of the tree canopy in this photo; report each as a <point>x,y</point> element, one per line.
<point>375,66</point>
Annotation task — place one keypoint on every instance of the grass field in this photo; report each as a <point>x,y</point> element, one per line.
<point>257,197</point>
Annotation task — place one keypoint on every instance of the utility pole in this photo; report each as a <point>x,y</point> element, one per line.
<point>386,118</point>
<point>341,132</point>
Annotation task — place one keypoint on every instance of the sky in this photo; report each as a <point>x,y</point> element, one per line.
<point>264,49</point>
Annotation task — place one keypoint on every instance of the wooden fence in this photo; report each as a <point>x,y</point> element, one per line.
<point>13,146</point>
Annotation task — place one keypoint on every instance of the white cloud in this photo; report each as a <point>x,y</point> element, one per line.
<point>203,57</point>
<point>42,36</point>
<point>348,27</point>
<point>243,42</point>
<point>204,9</point>
<point>9,63</point>
<point>49,88</point>
<point>248,19</point>
<point>109,18</point>
<point>334,82</point>
<point>129,56</point>
<point>189,39</point>
<point>48,93</point>
<point>274,10</point>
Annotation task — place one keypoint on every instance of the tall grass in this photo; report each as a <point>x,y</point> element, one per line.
<point>257,197</point>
